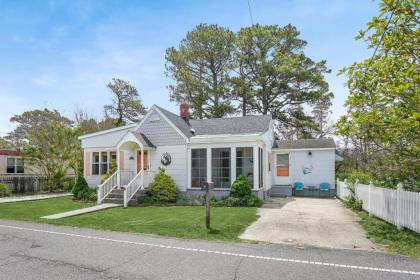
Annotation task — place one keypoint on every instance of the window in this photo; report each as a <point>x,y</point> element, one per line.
<point>104,163</point>
<point>20,168</point>
<point>283,165</point>
<point>113,156</point>
<point>15,165</point>
<point>244,163</point>
<point>101,162</point>
<point>220,167</point>
<point>198,167</point>
<point>95,163</point>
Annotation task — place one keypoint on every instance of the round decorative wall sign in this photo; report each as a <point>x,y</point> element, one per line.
<point>165,159</point>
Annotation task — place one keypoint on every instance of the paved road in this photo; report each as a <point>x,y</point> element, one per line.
<point>305,221</point>
<point>39,251</point>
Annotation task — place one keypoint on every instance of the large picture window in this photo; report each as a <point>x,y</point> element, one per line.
<point>221,167</point>
<point>244,163</point>
<point>101,162</point>
<point>198,167</point>
<point>15,165</point>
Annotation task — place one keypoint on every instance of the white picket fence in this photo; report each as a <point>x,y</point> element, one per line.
<point>396,206</point>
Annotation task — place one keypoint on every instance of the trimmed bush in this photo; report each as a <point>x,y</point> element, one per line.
<point>247,201</point>
<point>80,185</point>
<point>4,190</point>
<point>241,187</point>
<point>240,195</point>
<point>163,188</point>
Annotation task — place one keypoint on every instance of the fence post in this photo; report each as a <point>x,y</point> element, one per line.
<point>399,196</point>
<point>370,201</point>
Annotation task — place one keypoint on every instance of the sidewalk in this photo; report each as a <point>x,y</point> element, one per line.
<point>81,211</point>
<point>32,197</point>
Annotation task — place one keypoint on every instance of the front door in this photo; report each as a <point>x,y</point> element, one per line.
<point>145,161</point>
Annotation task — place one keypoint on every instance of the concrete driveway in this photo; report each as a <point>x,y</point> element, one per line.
<point>309,222</point>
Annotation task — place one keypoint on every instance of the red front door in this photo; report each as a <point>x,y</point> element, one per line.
<point>145,161</point>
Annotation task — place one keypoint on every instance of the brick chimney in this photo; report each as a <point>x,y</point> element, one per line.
<point>184,111</point>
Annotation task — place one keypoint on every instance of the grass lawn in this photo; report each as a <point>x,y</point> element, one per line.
<point>404,242</point>
<point>176,221</point>
<point>33,210</point>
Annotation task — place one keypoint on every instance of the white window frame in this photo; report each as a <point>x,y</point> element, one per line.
<point>15,166</point>
<point>100,163</point>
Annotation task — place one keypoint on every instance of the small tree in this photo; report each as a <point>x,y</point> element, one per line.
<point>241,187</point>
<point>126,105</point>
<point>163,187</point>
<point>54,149</point>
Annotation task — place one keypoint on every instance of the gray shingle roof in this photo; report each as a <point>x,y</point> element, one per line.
<point>177,121</point>
<point>305,144</point>
<point>143,139</point>
<point>232,125</point>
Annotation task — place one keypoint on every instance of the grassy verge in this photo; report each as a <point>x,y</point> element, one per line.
<point>404,242</point>
<point>176,221</point>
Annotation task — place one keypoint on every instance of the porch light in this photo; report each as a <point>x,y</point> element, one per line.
<point>131,158</point>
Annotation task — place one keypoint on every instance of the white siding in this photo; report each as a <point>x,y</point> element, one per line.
<point>106,140</point>
<point>160,132</point>
<point>178,167</point>
<point>321,165</point>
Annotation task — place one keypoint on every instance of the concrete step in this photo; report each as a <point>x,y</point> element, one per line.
<point>281,191</point>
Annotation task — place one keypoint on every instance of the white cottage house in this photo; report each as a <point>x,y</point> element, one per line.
<point>194,151</point>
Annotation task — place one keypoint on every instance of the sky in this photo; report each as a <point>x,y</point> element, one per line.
<point>61,54</point>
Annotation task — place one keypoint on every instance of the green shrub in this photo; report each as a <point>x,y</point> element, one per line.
<point>241,187</point>
<point>80,186</point>
<point>93,196</point>
<point>163,188</point>
<point>4,190</point>
<point>353,203</point>
<point>146,199</point>
<point>230,201</point>
<point>68,184</point>
<point>240,195</point>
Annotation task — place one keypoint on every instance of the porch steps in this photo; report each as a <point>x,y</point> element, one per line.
<point>281,191</point>
<point>117,197</point>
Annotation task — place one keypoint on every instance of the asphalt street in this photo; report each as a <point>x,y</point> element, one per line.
<point>39,251</point>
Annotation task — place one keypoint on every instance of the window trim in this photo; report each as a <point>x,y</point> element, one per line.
<point>15,165</point>
<point>100,163</point>
<point>242,166</point>
<point>229,167</point>
<point>284,167</point>
<point>191,159</point>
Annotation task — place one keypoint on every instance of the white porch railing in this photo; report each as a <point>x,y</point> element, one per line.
<point>125,177</point>
<point>106,187</point>
<point>140,181</point>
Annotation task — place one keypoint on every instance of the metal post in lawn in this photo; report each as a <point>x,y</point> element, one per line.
<point>207,186</point>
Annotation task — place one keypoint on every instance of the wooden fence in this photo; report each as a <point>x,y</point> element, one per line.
<point>396,206</point>
<point>25,183</point>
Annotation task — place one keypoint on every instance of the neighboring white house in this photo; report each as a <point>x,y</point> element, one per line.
<point>194,151</point>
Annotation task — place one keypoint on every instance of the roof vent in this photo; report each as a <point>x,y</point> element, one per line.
<point>192,130</point>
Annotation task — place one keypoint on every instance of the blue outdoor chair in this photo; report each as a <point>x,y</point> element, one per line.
<point>298,188</point>
<point>324,187</point>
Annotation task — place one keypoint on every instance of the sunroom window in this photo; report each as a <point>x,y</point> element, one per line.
<point>245,163</point>
<point>220,167</point>
<point>198,167</point>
